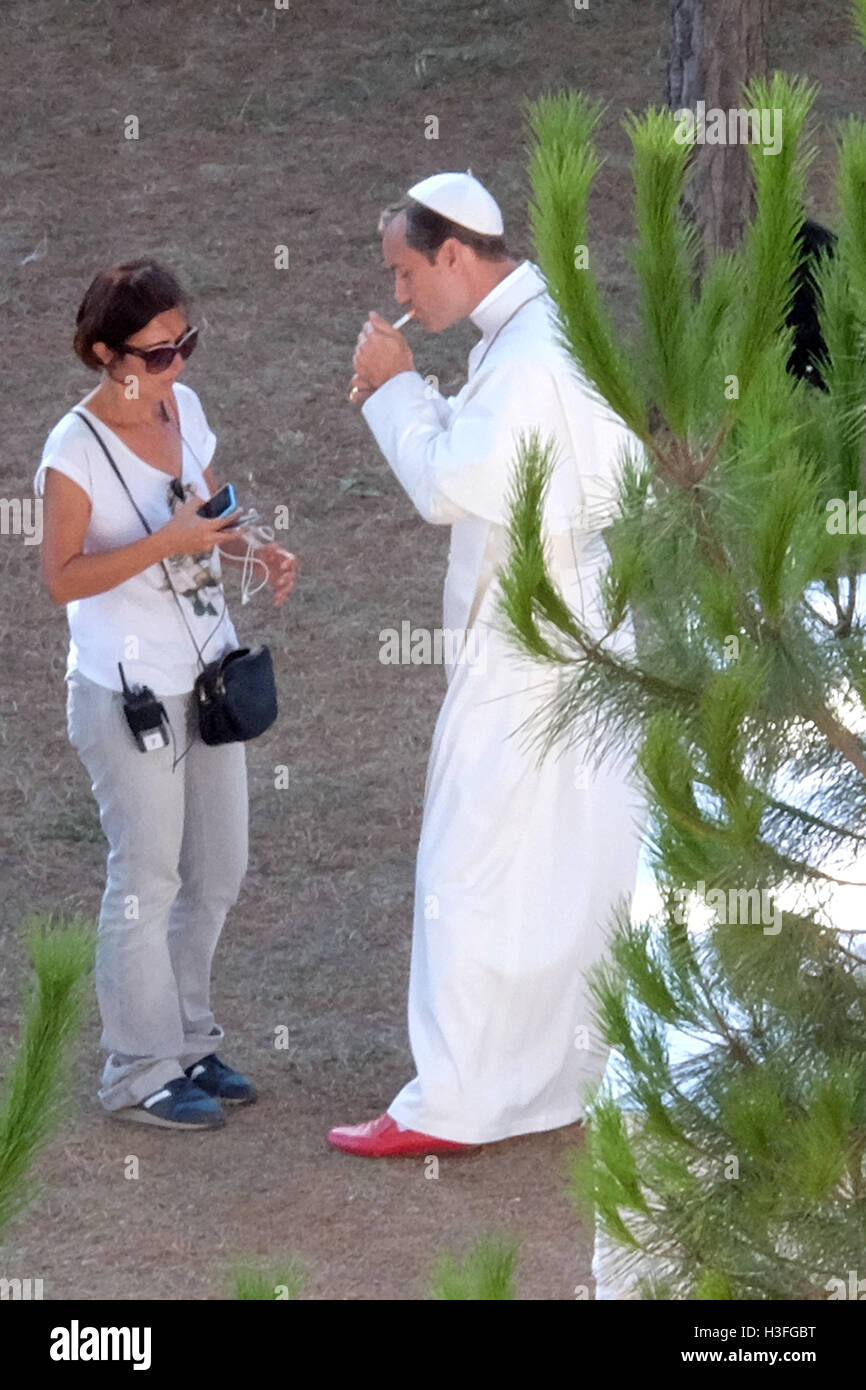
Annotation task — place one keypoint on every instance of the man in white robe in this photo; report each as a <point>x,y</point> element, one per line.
<point>520,865</point>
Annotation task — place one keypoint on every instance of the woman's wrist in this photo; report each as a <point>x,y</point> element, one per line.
<point>158,547</point>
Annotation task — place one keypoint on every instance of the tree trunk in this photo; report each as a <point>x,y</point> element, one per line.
<point>716,47</point>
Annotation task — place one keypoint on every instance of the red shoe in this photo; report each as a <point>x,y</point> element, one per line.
<point>381,1138</point>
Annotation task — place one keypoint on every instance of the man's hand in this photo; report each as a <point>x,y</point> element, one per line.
<point>360,390</point>
<point>382,352</point>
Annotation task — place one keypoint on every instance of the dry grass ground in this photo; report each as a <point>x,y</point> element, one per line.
<point>262,127</point>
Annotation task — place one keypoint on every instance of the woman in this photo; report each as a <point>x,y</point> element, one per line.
<point>141,608</point>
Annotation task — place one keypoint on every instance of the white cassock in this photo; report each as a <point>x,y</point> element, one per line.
<point>519,865</point>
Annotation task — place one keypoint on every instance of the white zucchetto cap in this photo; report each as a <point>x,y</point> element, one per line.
<point>461,198</point>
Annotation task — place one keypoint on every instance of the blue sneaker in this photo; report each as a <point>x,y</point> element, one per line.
<point>179,1104</point>
<point>212,1076</point>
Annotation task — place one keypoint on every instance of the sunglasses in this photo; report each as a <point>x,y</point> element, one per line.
<point>159,359</point>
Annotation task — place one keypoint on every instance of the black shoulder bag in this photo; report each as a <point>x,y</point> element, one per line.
<point>236,695</point>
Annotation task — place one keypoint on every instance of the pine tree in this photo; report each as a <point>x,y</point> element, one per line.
<point>738,1172</point>
<point>32,1099</point>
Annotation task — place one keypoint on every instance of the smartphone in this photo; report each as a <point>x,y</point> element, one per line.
<point>220,504</point>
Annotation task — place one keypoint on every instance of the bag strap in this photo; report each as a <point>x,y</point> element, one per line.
<point>117,473</point>
<point>149,529</point>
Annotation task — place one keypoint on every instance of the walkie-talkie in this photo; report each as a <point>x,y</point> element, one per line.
<point>145,715</point>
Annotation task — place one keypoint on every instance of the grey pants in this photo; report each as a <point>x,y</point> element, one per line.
<point>176,859</point>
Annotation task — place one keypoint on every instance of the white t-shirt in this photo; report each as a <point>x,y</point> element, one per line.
<point>138,622</point>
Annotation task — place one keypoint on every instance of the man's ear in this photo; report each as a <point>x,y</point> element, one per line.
<point>450,253</point>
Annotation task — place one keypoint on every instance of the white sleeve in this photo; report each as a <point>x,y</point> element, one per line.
<point>66,451</point>
<point>443,405</point>
<point>462,468</point>
<point>406,419</point>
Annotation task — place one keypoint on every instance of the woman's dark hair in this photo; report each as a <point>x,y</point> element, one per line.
<point>121,301</point>
<point>426,230</point>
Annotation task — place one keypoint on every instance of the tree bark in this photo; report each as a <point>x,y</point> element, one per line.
<point>716,47</point>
